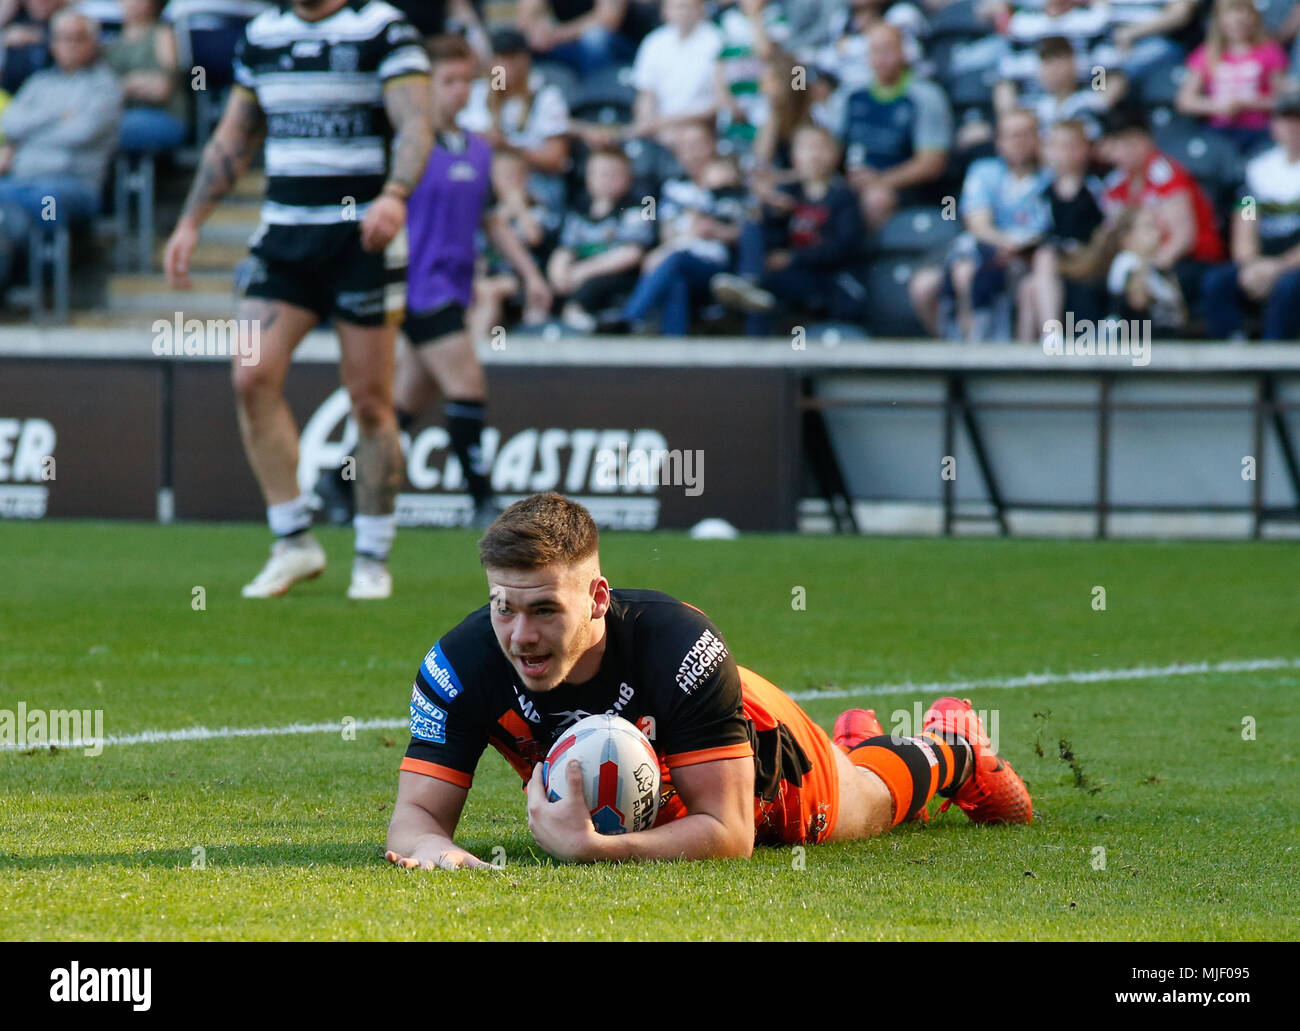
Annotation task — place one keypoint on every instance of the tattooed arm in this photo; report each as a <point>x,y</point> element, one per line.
<point>226,157</point>
<point>410,110</point>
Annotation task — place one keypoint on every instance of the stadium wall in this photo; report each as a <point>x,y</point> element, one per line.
<point>766,436</point>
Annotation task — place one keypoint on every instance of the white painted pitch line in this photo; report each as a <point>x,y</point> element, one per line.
<point>954,687</point>
<point>153,737</point>
<point>950,687</point>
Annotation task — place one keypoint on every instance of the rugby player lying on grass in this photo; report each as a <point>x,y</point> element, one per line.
<point>742,764</point>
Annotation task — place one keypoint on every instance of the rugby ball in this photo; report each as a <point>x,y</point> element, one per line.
<point>620,772</point>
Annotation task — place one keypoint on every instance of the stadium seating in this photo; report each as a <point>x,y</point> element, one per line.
<point>1214,160</point>
<point>206,34</point>
<point>1274,12</point>
<point>918,230</point>
<point>957,20</point>
<point>563,77</point>
<point>133,210</point>
<point>891,308</point>
<point>606,96</point>
<point>972,89</point>
<point>1160,84</point>
<point>49,250</point>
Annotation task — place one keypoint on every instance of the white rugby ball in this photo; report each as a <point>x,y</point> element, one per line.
<point>620,772</point>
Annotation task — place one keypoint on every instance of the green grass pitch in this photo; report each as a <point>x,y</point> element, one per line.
<point>1197,822</point>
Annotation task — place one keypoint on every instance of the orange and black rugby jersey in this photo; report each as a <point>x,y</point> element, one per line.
<point>666,669</point>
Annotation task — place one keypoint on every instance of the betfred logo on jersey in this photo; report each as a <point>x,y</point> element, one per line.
<point>428,722</point>
<point>705,656</point>
<point>446,685</point>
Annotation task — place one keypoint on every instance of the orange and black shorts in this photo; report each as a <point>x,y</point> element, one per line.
<point>797,786</point>
<point>796,781</point>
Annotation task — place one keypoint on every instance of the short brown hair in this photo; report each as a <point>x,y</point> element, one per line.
<point>611,150</point>
<point>539,531</point>
<point>1054,47</point>
<point>1073,125</point>
<point>448,47</point>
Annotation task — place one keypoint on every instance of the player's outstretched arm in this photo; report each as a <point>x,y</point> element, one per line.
<point>424,819</point>
<point>719,824</point>
<point>226,157</point>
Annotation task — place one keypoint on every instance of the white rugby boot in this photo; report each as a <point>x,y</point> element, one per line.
<point>295,558</point>
<point>371,579</point>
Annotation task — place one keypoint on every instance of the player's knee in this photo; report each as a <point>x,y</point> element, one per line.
<point>252,382</point>
<point>372,411</point>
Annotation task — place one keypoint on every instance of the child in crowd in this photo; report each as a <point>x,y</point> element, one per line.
<point>536,225</point>
<point>1065,271</point>
<point>600,248</point>
<point>798,256</point>
<point>1234,77</point>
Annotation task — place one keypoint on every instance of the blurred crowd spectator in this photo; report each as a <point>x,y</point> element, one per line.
<point>60,132</point>
<point>965,169</point>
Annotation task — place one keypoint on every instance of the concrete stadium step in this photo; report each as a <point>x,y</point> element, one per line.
<point>139,299</point>
<point>251,186</point>
<point>139,284</point>
<point>241,215</point>
<point>217,255</point>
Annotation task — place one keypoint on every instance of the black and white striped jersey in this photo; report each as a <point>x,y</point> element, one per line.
<point>320,84</point>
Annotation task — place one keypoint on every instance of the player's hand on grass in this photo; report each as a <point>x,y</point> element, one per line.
<point>383,220</point>
<point>179,251</point>
<point>563,828</point>
<point>438,859</point>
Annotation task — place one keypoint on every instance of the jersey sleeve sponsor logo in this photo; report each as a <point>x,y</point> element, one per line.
<point>421,702</point>
<point>428,722</point>
<point>446,684</point>
<point>705,656</point>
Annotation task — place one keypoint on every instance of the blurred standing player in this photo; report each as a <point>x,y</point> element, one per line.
<point>741,763</point>
<point>339,90</point>
<point>444,213</point>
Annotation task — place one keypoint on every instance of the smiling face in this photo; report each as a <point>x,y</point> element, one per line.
<point>550,621</point>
